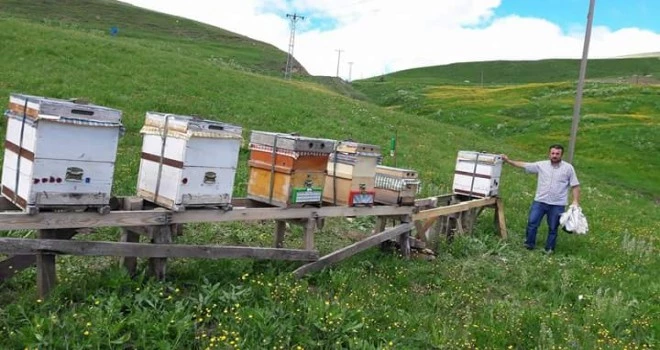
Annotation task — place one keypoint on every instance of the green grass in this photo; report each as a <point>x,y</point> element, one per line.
<point>598,291</point>
<point>520,72</point>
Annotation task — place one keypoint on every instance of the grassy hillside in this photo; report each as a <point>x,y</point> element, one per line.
<point>519,72</point>
<point>597,291</point>
<point>150,28</point>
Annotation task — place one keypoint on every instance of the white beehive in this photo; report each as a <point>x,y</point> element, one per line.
<point>477,174</point>
<point>59,153</point>
<point>187,161</point>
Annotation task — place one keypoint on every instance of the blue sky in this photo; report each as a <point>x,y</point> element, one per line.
<point>615,14</point>
<point>379,36</point>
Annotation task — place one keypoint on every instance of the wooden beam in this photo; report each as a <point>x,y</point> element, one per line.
<point>46,274</point>
<point>54,220</point>
<point>253,214</point>
<point>14,264</point>
<point>308,234</point>
<point>158,265</point>
<point>129,235</point>
<point>352,249</point>
<point>160,216</point>
<point>28,246</point>
<point>454,208</point>
<point>500,220</point>
<point>278,235</point>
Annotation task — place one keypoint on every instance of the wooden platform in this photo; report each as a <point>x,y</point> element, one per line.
<point>160,226</point>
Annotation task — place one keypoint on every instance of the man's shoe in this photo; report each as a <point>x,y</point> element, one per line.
<point>548,251</point>
<point>528,247</point>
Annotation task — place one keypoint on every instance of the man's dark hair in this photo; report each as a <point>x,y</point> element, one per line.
<point>557,146</point>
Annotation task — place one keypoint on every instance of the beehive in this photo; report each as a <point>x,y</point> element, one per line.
<point>396,186</point>
<point>59,153</point>
<point>351,174</point>
<point>287,170</point>
<point>477,174</point>
<point>187,161</point>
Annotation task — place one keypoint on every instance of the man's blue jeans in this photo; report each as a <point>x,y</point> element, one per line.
<point>536,213</point>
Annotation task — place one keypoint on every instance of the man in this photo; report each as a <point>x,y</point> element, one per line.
<point>555,177</point>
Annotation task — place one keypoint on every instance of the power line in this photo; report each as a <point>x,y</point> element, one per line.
<point>289,58</point>
<point>339,51</point>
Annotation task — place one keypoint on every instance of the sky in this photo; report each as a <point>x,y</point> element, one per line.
<point>365,38</point>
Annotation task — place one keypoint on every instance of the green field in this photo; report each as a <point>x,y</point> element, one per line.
<point>597,291</point>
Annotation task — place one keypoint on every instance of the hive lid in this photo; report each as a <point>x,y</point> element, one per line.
<point>396,172</point>
<point>34,108</point>
<point>183,126</point>
<point>292,142</point>
<point>480,157</point>
<point>363,149</point>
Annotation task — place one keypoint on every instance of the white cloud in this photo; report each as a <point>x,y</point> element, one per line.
<point>382,36</point>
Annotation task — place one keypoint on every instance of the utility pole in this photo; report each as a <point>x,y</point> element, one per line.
<point>289,58</point>
<point>580,85</point>
<point>350,70</point>
<point>339,51</point>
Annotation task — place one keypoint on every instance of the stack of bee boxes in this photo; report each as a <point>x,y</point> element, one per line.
<point>287,170</point>
<point>396,186</point>
<point>187,161</point>
<point>351,174</point>
<point>59,153</point>
<point>477,174</point>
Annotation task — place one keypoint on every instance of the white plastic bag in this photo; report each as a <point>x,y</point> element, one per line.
<point>574,221</point>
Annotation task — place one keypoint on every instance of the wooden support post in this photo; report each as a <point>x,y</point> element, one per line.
<point>130,236</point>
<point>310,229</point>
<point>46,272</point>
<point>14,264</point>
<point>352,249</point>
<point>500,221</point>
<point>404,239</point>
<point>161,235</point>
<point>381,224</point>
<point>278,235</point>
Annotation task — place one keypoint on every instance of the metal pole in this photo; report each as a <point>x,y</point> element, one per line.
<point>338,60</point>
<point>580,85</point>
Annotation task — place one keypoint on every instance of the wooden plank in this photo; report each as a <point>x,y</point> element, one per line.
<point>434,201</point>
<point>278,235</point>
<point>404,240</point>
<point>46,274</point>
<point>160,216</point>
<point>14,264</point>
<point>27,246</point>
<point>128,235</point>
<point>352,249</point>
<point>310,229</point>
<point>454,208</point>
<point>54,220</point>
<point>158,265</point>
<point>500,220</point>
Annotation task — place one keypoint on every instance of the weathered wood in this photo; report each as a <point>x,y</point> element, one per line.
<point>159,216</point>
<point>128,235</point>
<point>310,229</point>
<point>278,235</point>
<point>22,221</point>
<point>27,246</point>
<point>453,208</point>
<point>46,274</point>
<point>404,240</point>
<point>353,249</point>
<point>14,264</point>
<point>158,265</point>
<point>6,204</point>
<point>500,219</point>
